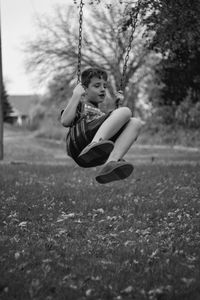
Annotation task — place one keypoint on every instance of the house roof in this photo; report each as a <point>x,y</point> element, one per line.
<point>23,103</point>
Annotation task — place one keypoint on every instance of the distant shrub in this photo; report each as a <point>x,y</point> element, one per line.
<point>194,120</point>
<point>50,132</point>
<point>51,127</point>
<point>188,113</point>
<point>37,115</point>
<point>163,115</point>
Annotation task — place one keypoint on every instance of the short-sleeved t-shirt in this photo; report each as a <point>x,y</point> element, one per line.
<point>91,112</point>
<point>88,111</point>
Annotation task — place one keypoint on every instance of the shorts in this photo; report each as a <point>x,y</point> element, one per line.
<point>81,134</point>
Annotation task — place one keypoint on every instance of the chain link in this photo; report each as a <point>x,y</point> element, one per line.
<point>80,40</point>
<point>133,26</point>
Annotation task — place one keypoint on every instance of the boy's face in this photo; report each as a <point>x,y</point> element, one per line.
<point>96,90</point>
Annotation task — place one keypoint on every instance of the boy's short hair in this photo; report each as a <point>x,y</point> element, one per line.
<point>89,73</point>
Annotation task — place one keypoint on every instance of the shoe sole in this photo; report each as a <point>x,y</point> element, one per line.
<point>118,173</point>
<point>97,155</point>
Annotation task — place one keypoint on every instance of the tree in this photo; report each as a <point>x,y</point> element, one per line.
<point>176,27</point>
<point>173,29</point>
<point>7,108</point>
<point>53,53</point>
<point>1,99</point>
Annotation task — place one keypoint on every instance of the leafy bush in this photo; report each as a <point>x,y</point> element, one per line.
<point>50,130</point>
<point>50,127</point>
<point>194,120</point>
<point>188,113</point>
<point>37,115</point>
<point>163,115</point>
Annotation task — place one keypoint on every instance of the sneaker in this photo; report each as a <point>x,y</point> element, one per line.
<point>114,170</point>
<point>96,153</point>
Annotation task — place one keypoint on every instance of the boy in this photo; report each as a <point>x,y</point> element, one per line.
<point>97,138</point>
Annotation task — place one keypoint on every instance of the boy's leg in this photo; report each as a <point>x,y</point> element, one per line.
<point>117,119</point>
<point>98,151</point>
<point>126,139</point>
<point>114,168</point>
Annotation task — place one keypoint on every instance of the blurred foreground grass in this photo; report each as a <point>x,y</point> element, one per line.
<point>63,236</point>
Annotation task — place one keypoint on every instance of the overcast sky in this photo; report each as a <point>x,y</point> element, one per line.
<point>17,24</point>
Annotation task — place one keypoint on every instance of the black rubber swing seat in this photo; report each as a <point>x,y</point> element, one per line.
<point>96,153</point>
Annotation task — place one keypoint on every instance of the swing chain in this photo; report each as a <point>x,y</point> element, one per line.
<point>80,41</point>
<point>133,26</point>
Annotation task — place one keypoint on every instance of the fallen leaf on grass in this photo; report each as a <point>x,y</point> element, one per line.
<point>99,210</point>
<point>129,243</point>
<point>65,216</point>
<point>154,253</point>
<point>22,224</point>
<point>97,278</point>
<point>127,290</point>
<point>114,235</point>
<point>88,292</point>
<point>17,255</point>
<point>106,262</point>
<point>73,286</point>
<point>154,293</point>
<point>6,289</point>
<point>113,218</point>
<point>188,281</point>
<point>47,260</point>
<point>34,287</point>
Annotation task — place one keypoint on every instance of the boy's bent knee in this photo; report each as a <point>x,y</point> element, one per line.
<point>125,112</point>
<point>137,123</point>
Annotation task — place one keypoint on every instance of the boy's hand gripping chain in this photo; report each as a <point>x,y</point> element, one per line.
<point>119,98</point>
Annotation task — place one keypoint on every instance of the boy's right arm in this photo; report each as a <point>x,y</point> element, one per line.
<point>69,112</point>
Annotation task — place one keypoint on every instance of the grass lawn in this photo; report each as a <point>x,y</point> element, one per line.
<point>63,236</point>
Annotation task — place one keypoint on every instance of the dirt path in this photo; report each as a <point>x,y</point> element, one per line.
<point>21,146</point>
